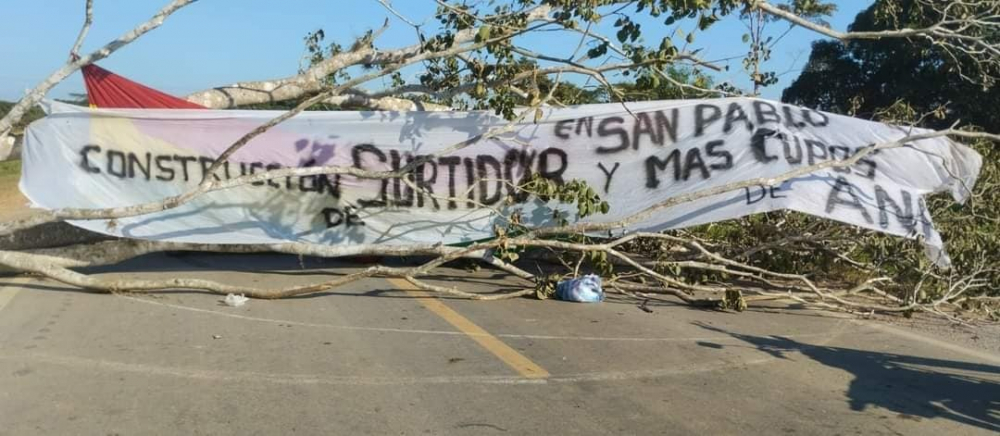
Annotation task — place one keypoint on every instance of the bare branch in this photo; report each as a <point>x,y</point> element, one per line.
<point>87,21</point>
<point>36,94</point>
<point>312,80</point>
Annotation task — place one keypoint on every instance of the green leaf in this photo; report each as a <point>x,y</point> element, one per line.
<point>484,34</point>
<point>598,51</point>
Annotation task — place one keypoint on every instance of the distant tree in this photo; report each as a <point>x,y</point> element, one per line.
<point>676,83</point>
<point>861,77</point>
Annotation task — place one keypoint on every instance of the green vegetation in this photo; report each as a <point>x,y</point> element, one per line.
<point>864,77</point>
<point>32,115</point>
<point>905,82</point>
<point>10,172</point>
<point>895,81</point>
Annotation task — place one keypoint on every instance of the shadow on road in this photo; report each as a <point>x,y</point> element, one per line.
<point>911,386</point>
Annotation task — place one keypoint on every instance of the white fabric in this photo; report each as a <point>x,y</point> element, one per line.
<point>653,151</point>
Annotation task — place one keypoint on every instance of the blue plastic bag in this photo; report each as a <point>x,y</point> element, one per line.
<point>586,289</point>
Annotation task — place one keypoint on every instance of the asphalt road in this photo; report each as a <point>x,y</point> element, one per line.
<point>374,358</point>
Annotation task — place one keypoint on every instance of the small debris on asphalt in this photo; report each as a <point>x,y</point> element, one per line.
<point>644,306</point>
<point>216,336</point>
<point>233,300</point>
<point>455,359</point>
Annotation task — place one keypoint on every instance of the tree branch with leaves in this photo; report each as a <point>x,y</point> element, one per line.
<point>474,56</point>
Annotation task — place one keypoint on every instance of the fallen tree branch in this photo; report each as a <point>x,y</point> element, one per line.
<point>760,282</point>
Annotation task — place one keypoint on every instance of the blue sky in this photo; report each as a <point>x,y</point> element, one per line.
<point>216,42</point>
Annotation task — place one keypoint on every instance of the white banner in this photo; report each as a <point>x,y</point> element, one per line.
<point>634,155</point>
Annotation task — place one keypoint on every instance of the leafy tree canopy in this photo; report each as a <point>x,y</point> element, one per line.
<point>862,77</point>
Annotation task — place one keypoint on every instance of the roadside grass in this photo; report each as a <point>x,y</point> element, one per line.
<point>10,172</point>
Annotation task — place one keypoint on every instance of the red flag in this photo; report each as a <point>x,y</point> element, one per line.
<point>109,90</point>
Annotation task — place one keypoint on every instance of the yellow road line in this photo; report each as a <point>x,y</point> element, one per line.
<point>504,352</point>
